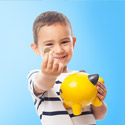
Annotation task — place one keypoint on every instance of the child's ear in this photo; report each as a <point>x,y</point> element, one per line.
<point>35,49</point>
<point>74,41</point>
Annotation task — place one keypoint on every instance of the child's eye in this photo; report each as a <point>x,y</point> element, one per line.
<point>64,42</point>
<point>49,44</point>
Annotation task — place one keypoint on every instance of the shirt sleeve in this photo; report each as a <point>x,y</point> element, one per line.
<point>30,78</point>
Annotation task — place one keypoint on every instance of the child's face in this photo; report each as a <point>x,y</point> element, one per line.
<point>59,39</point>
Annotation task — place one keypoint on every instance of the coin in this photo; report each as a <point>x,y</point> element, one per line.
<point>46,50</point>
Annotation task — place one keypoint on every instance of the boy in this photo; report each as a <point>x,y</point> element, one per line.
<point>54,41</point>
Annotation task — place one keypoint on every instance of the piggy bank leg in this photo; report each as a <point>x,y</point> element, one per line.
<point>96,102</point>
<point>77,109</point>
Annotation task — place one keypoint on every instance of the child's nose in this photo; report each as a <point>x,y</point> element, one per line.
<point>58,49</point>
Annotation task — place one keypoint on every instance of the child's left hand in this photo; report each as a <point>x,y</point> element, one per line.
<point>102,91</point>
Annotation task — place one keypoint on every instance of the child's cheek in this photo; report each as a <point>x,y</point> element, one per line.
<point>41,53</point>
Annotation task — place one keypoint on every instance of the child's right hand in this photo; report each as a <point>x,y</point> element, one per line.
<point>50,66</point>
<point>50,69</point>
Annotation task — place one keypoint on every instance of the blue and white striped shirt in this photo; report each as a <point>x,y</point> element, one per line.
<point>50,109</point>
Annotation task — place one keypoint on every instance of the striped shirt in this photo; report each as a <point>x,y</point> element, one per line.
<point>50,109</point>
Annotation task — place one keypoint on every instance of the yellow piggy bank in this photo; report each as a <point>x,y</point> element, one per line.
<point>79,90</point>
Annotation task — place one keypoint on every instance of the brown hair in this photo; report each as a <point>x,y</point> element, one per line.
<point>48,18</point>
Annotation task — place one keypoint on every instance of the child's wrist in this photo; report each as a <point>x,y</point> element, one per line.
<point>36,83</point>
<point>47,76</point>
<point>41,77</point>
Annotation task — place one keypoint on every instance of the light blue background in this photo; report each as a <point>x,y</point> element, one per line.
<point>100,48</point>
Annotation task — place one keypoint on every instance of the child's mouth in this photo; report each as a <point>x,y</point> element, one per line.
<point>61,58</point>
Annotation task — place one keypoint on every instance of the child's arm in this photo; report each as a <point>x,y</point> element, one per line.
<point>100,112</point>
<point>45,79</point>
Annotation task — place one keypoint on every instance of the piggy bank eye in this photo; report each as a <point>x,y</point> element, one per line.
<point>60,91</point>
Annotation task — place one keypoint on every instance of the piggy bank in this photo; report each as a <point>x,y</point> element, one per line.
<point>79,90</point>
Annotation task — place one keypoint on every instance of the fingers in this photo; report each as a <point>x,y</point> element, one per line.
<point>102,91</point>
<point>101,87</point>
<point>55,66</point>
<point>45,61</point>
<point>50,65</point>
<point>102,98</point>
<point>50,61</point>
<point>101,84</point>
<point>60,69</point>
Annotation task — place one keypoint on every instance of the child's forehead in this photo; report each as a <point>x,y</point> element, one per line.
<point>57,24</point>
<point>54,29</point>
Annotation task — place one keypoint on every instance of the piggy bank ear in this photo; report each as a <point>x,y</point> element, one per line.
<point>93,78</point>
<point>82,70</point>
